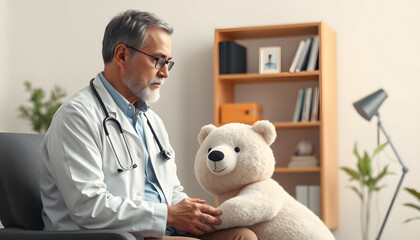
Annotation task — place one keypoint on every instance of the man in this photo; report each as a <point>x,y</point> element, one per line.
<point>107,161</point>
<point>269,64</point>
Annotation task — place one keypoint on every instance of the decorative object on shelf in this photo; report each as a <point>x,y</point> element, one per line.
<point>415,194</point>
<point>304,147</point>
<point>232,58</point>
<point>247,113</point>
<point>235,163</point>
<point>367,183</point>
<point>303,156</point>
<point>368,107</point>
<point>270,60</point>
<point>42,111</point>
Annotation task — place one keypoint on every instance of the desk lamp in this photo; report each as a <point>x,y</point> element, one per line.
<point>367,108</point>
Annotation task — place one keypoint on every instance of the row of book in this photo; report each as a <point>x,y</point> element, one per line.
<point>306,56</point>
<point>309,195</point>
<point>307,105</point>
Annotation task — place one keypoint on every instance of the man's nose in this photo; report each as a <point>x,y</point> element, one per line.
<point>163,73</point>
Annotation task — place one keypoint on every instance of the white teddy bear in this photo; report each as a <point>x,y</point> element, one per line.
<point>235,163</point>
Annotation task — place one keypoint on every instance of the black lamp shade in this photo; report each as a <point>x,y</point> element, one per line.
<point>369,105</point>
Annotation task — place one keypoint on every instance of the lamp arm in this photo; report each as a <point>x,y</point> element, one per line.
<point>404,170</point>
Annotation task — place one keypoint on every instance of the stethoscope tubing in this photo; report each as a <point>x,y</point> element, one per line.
<point>163,153</point>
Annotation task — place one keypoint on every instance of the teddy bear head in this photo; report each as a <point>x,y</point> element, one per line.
<point>234,155</point>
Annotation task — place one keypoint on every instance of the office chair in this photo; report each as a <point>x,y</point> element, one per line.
<point>20,201</point>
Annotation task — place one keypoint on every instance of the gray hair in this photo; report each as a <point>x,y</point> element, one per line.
<point>130,27</point>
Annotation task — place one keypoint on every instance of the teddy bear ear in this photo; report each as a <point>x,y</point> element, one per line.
<point>266,129</point>
<point>205,131</point>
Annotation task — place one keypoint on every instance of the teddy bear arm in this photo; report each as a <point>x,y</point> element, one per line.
<point>248,208</point>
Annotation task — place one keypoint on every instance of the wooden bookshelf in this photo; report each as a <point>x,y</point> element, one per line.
<point>324,131</point>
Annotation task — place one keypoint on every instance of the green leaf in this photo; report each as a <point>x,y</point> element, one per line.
<point>364,166</point>
<point>412,205</point>
<point>355,151</point>
<point>358,192</point>
<point>413,192</point>
<point>28,86</point>
<point>41,111</point>
<point>382,174</point>
<point>379,149</point>
<point>352,173</point>
<point>411,219</point>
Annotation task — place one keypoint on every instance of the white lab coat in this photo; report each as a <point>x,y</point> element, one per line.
<point>80,185</point>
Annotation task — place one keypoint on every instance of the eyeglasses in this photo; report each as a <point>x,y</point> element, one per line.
<point>160,62</point>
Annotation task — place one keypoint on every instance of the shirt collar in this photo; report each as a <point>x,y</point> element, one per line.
<point>125,106</point>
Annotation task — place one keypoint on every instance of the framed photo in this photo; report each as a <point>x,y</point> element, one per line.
<point>270,59</point>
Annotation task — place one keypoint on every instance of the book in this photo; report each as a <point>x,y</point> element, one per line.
<point>306,108</point>
<point>302,194</point>
<point>315,199</point>
<point>222,57</point>
<point>315,105</point>
<point>297,55</point>
<point>303,161</point>
<point>303,61</point>
<point>232,58</point>
<point>313,54</point>
<point>298,106</point>
<point>309,196</point>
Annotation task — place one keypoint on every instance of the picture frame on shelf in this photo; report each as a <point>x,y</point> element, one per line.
<point>270,60</point>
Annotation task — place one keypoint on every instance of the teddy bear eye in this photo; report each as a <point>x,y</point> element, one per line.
<point>237,149</point>
<point>209,150</point>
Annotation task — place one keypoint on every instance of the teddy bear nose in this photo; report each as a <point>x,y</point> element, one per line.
<point>216,156</point>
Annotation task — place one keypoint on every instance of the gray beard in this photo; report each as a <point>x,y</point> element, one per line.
<point>144,93</point>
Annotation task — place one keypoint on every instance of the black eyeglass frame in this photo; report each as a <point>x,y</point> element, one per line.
<point>157,59</point>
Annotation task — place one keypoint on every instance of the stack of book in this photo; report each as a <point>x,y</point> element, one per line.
<point>306,56</point>
<point>307,105</point>
<point>303,161</point>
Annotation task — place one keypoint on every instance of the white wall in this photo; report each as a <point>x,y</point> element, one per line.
<point>59,42</point>
<point>4,65</point>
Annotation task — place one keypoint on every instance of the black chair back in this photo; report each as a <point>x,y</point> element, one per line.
<point>20,202</point>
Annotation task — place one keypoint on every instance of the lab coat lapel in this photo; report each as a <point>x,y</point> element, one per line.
<point>112,108</point>
<point>155,158</point>
<point>151,143</point>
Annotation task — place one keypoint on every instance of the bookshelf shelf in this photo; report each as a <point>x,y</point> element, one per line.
<point>280,125</point>
<point>296,170</point>
<point>273,77</point>
<point>277,100</point>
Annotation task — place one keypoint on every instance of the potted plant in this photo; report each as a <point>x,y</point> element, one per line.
<point>41,112</point>
<point>366,184</point>
<point>415,194</point>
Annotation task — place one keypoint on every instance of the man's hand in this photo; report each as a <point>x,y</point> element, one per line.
<point>193,215</point>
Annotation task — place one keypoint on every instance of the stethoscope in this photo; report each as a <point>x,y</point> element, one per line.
<point>163,153</point>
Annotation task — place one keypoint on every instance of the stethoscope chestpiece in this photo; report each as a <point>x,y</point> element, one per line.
<point>165,154</point>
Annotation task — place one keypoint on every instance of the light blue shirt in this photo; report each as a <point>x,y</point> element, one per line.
<point>152,189</point>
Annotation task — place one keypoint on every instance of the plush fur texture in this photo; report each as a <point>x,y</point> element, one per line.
<point>235,163</point>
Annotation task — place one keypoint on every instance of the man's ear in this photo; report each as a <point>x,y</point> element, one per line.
<point>205,131</point>
<point>121,55</point>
